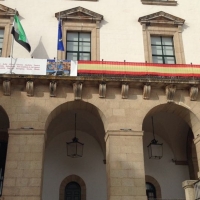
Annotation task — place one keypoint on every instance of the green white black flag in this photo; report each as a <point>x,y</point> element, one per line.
<point>19,34</point>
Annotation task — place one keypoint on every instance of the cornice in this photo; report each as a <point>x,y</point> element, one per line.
<point>161,18</point>
<point>6,11</point>
<point>79,13</point>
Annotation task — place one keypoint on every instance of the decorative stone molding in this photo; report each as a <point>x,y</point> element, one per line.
<point>161,18</point>
<point>30,88</point>
<point>72,178</point>
<point>6,11</point>
<point>6,88</point>
<point>79,13</point>
<point>125,90</point>
<point>170,92</point>
<point>146,91</point>
<point>52,88</point>
<point>194,93</point>
<point>159,2</point>
<point>77,88</point>
<point>102,90</point>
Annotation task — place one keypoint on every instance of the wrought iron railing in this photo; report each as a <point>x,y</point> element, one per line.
<point>132,69</point>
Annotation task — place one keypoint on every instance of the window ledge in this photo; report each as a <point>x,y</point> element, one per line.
<point>82,0</point>
<point>161,3</point>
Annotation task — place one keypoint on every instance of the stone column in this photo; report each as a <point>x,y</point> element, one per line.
<point>24,162</point>
<point>125,165</point>
<point>188,186</point>
<point>197,144</point>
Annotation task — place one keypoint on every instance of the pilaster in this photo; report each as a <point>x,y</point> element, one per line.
<point>197,144</point>
<point>24,163</point>
<point>125,165</point>
<point>188,186</point>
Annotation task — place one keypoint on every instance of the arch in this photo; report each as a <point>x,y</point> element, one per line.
<point>155,183</point>
<point>4,125</point>
<point>92,121</point>
<point>76,105</point>
<point>184,113</point>
<point>72,178</point>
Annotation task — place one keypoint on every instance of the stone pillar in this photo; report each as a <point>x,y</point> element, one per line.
<point>197,144</point>
<point>24,163</point>
<point>188,186</point>
<point>125,165</point>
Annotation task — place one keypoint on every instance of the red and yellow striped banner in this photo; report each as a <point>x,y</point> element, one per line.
<point>138,69</point>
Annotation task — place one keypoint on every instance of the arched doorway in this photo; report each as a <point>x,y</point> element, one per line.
<point>90,131</point>
<point>173,128</point>
<point>4,125</point>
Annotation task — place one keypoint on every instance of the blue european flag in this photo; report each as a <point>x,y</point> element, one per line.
<point>60,46</point>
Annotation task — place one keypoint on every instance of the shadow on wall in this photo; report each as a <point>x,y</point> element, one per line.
<point>40,51</point>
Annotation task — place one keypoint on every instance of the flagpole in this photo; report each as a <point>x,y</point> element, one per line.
<point>57,37</point>
<point>57,44</point>
<point>11,53</point>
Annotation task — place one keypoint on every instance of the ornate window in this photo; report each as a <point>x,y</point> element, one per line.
<point>6,20</point>
<point>81,35</point>
<point>165,30</point>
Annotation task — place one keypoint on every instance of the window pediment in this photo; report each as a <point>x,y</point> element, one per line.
<point>6,11</point>
<point>161,18</point>
<point>160,2</point>
<point>79,14</point>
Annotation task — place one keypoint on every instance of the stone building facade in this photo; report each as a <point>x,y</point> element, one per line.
<point>113,112</point>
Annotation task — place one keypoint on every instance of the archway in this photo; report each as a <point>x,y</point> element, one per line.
<point>4,125</point>
<point>173,125</point>
<point>90,131</point>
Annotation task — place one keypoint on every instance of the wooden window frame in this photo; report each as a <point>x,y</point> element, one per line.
<point>78,51</point>
<point>162,47</point>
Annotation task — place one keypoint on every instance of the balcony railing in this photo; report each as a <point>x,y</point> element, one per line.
<point>131,69</point>
<point>138,69</point>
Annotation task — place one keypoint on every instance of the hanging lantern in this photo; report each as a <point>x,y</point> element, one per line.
<point>155,149</point>
<point>74,148</point>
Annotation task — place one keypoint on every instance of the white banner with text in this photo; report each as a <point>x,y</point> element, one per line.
<point>32,66</point>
